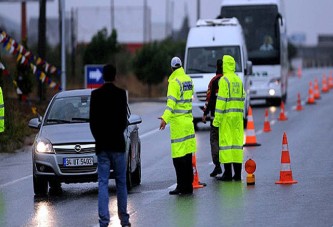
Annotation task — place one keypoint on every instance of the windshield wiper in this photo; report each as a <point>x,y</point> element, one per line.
<point>53,120</point>
<point>80,119</point>
<point>197,70</point>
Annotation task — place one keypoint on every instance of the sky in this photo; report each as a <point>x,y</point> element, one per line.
<point>307,17</point>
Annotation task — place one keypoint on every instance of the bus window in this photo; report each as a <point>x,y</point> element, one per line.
<point>255,28</point>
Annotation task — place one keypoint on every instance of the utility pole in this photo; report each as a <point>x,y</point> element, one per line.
<point>41,42</point>
<point>144,21</point>
<point>112,15</point>
<point>198,9</point>
<point>24,22</point>
<point>63,46</point>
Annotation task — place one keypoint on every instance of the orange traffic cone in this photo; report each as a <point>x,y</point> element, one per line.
<point>282,116</point>
<point>267,126</point>
<point>311,99</point>
<point>196,182</point>
<point>251,139</point>
<point>286,175</point>
<point>299,104</point>
<point>299,72</point>
<point>316,89</point>
<point>324,87</point>
<point>330,81</point>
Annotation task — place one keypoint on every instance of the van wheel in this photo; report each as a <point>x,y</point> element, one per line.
<point>274,101</point>
<point>195,122</point>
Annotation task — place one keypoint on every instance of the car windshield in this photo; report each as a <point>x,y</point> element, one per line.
<point>68,110</point>
<point>203,59</point>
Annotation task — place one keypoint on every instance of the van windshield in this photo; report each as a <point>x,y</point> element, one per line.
<point>203,59</point>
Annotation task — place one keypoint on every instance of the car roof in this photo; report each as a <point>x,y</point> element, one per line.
<point>74,92</point>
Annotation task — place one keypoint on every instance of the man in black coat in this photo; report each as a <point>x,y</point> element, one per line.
<point>108,113</point>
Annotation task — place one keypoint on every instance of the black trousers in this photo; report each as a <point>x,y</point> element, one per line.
<point>184,172</point>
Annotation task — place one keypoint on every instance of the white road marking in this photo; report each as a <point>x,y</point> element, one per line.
<point>15,181</point>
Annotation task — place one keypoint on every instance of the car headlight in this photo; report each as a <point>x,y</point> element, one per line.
<point>44,146</point>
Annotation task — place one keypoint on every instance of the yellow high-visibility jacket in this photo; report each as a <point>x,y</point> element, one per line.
<point>229,114</point>
<point>2,112</point>
<point>178,113</point>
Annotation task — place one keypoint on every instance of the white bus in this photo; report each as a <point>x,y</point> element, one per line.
<point>264,26</point>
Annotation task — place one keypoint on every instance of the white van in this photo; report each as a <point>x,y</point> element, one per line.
<point>208,41</point>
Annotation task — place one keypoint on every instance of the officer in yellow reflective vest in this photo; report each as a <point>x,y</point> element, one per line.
<point>178,113</point>
<point>229,118</point>
<point>2,113</point>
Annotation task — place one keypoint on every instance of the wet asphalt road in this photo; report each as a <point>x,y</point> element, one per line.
<point>307,203</point>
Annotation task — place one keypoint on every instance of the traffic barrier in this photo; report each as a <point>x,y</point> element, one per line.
<point>311,99</point>
<point>299,103</point>
<point>196,182</point>
<point>286,175</point>
<point>267,126</point>
<point>324,87</point>
<point>251,139</point>
<point>316,89</point>
<point>282,116</point>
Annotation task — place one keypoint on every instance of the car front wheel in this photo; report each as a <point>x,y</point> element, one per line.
<point>137,173</point>
<point>40,186</point>
<point>129,181</point>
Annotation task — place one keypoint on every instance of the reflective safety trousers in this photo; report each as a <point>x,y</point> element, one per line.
<point>2,113</point>
<point>229,118</point>
<point>178,113</point>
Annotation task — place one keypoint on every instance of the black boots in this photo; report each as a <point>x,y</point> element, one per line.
<point>238,171</point>
<point>227,175</point>
<point>217,170</point>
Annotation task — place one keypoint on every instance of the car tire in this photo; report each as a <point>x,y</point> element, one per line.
<point>129,180</point>
<point>136,176</point>
<point>40,186</point>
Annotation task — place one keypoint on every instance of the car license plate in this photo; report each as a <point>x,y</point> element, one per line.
<point>88,161</point>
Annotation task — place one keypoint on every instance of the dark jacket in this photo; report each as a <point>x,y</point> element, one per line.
<point>108,117</point>
<point>212,91</point>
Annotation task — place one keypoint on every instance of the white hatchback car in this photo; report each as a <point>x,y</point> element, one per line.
<point>64,148</point>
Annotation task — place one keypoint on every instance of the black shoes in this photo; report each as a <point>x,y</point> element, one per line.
<point>228,178</point>
<point>180,192</point>
<point>236,178</point>
<point>224,178</point>
<point>217,170</point>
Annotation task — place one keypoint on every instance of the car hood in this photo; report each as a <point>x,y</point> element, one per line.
<point>67,133</point>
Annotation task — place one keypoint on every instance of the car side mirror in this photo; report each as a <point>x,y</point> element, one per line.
<point>35,122</point>
<point>248,70</point>
<point>134,119</point>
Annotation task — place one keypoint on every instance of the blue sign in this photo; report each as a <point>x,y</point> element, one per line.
<point>93,76</point>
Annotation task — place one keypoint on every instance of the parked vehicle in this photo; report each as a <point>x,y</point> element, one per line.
<point>265,31</point>
<point>208,41</point>
<point>64,148</point>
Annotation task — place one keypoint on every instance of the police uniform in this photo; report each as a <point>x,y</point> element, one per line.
<point>178,113</point>
<point>229,118</point>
